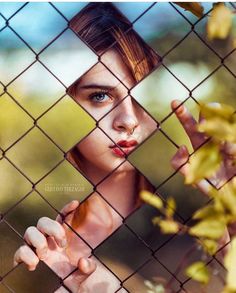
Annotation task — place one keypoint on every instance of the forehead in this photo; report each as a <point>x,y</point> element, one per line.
<point>114,71</point>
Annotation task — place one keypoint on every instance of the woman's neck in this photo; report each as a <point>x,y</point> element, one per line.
<point>119,189</point>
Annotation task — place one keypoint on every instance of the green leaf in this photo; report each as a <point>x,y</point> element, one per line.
<point>170,207</point>
<point>203,163</point>
<point>219,129</point>
<point>198,272</point>
<point>212,228</point>
<point>195,7</point>
<point>168,226</point>
<point>230,261</point>
<point>220,22</point>
<point>151,199</point>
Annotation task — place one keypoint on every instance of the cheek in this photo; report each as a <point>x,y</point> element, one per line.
<point>95,149</point>
<point>94,145</point>
<point>148,125</point>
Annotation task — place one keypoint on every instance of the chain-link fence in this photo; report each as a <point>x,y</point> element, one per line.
<point>46,124</point>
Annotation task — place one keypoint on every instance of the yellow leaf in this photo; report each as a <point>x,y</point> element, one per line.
<point>220,110</point>
<point>219,129</point>
<point>203,163</point>
<point>195,7</point>
<point>230,261</point>
<point>227,290</point>
<point>156,220</point>
<point>209,245</point>
<point>212,228</point>
<point>205,212</point>
<point>168,226</point>
<point>198,272</point>
<point>220,22</point>
<point>170,207</point>
<point>227,197</point>
<point>151,199</point>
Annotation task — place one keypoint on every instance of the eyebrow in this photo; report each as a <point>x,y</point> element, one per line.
<point>96,86</point>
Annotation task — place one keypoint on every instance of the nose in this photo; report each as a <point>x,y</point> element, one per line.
<point>126,119</point>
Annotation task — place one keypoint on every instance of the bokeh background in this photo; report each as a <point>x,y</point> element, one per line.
<point>39,58</point>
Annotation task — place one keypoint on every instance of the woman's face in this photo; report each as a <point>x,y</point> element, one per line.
<point>101,92</point>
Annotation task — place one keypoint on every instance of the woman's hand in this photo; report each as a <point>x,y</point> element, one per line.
<point>179,161</point>
<point>64,251</point>
<point>49,243</point>
<point>226,171</point>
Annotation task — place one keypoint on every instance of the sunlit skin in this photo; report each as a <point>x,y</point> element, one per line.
<point>98,92</point>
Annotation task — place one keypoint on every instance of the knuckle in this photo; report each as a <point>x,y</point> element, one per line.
<point>59,228</point>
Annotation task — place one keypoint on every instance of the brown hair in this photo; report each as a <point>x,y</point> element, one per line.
<point>101,26</point>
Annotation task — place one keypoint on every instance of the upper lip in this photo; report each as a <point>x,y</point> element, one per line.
<point>125,143</point>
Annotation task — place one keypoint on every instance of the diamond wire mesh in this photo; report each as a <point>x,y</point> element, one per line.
<point>153,258</point>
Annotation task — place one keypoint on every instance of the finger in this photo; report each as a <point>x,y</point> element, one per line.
<point>180,159</point>
<point>35,238</point>
<point>188,122</point>
<point>67,209</point>
<point>52,228</point>
<point>86,267</point>
<point>26,255</point>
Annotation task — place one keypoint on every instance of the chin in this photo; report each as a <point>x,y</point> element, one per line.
<point>125,167</point>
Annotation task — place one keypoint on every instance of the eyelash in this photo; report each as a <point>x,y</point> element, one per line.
<point>101,92</point>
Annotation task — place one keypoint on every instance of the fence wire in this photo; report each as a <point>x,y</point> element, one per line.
<point>153,257</point>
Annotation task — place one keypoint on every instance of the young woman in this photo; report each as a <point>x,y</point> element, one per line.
<point>65,244</point>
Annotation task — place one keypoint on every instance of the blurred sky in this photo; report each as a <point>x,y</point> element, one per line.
<point>38,23</point>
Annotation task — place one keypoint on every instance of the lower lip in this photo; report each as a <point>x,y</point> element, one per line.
<point>122,153</point>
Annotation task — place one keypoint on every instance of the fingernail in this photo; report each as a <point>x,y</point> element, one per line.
<point>176,103</point>
<point>87,263</point>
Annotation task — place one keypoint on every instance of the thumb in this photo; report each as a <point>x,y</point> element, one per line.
<point>74,281</point>
<point>86,267</point>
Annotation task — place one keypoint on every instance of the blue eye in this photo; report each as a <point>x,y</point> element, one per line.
<point>99,97</point>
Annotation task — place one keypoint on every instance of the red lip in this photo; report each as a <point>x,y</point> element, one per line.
<point>126,143</point>
<point>126,147</point>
